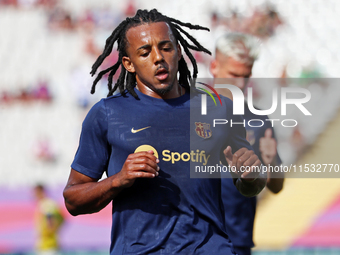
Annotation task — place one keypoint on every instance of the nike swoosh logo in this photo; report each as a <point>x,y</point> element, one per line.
<point>138,130</point>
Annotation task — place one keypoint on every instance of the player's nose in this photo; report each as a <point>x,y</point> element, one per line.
<point>157,55</point>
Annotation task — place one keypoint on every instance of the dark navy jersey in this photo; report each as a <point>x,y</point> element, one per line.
<point>240,210</point>
<point>171,213</point>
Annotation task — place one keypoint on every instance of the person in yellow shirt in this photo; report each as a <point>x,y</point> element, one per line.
<point>48,222</point>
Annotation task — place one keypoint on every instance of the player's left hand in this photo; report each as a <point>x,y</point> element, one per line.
<point>245,163</point>
<point>268,147</point>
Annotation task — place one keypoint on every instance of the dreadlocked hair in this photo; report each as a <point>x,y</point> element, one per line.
<point>127,80</point>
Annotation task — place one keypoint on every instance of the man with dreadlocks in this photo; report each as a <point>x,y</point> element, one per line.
<point>157,207</point>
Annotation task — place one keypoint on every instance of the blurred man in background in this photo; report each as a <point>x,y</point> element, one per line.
<point>48,222</point>
<point>235,54</point>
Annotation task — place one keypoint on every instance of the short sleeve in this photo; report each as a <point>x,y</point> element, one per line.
<point>238,138</point>
<point>238,135</point>
<point>93,153</point>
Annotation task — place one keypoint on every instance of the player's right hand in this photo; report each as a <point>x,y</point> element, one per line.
<point>137,165</point>
<point>241,160</point>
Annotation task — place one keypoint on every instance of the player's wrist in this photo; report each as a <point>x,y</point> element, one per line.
<point>116,184</point>
<point>248,181</point>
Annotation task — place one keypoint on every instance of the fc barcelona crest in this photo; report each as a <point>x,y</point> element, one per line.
<point>203,130</point>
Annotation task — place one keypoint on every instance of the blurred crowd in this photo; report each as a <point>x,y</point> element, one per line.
<point>40,92</point>
<point>29,3</point>
<point>92,24</point>
<point>261,23</point>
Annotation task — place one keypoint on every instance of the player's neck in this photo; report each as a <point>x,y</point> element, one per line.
<point>175,91</point>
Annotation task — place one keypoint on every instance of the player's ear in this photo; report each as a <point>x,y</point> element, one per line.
<point>127,63</point>
<point>214,67</point>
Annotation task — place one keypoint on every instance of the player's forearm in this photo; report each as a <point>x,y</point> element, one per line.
<point>250,188</point>
<point>89,197</point>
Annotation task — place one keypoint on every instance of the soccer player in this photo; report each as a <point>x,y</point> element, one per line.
<point>48,222</point>
<point>235,54</point>
<point>141,139</point>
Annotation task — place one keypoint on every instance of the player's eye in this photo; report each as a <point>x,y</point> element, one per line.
<point>167,47</point>
<point>144,54</point>
<point>234,75</point>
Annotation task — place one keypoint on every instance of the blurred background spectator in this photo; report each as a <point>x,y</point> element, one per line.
<point>48,220</point>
